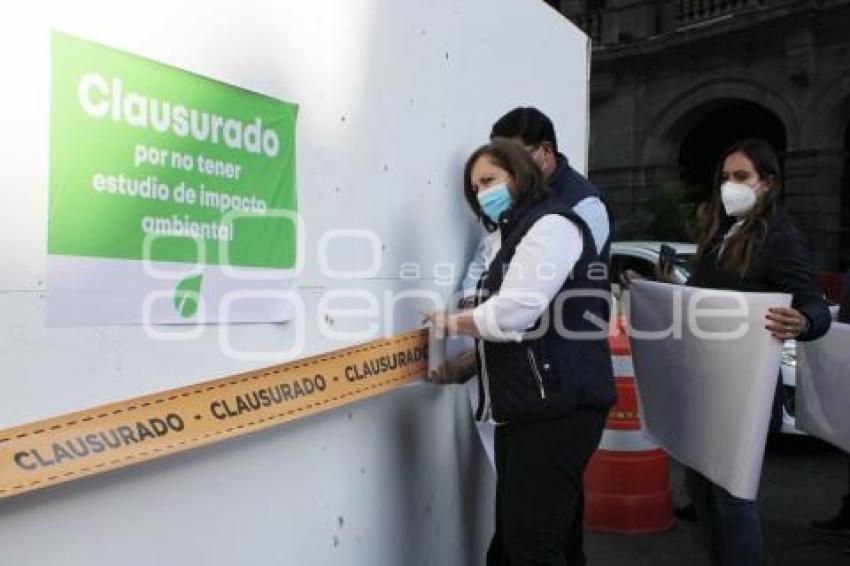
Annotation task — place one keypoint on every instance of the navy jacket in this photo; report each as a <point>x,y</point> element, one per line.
<point>552,373</point>
<point>572,188</point>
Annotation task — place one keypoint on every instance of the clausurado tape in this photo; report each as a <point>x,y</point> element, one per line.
<point>96,440</point>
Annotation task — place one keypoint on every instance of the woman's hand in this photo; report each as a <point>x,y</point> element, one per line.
<point>628,277</point>
<point>452,371</point>
<point>439,322</point>
<point>446,374</point>
<point>458,370</point>
<point>444,324</point>
<point>785,323</point>
<point>664,271</point>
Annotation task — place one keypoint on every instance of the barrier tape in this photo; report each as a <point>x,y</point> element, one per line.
<point>61,449</point>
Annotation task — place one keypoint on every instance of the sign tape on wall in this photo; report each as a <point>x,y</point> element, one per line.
<point>72,446</point>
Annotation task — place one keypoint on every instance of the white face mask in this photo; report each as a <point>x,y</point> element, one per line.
<point>738,199</point>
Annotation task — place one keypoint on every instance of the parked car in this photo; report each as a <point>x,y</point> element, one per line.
<point>642,257</point>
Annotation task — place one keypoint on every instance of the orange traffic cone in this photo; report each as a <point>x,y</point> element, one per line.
<point>627,483</point>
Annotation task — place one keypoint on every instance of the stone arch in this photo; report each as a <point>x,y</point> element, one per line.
<point>721,124</point>
<point>662,140</point>
<point>686,138</point>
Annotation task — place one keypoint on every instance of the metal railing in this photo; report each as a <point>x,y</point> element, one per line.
<point>691,11</point>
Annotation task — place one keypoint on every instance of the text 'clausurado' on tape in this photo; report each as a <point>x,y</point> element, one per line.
<point>96,440</point>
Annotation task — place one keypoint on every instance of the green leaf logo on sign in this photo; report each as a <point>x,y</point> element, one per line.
<point>187,295</point>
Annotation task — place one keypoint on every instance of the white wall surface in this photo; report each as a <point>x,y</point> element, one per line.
<point>393,95</point>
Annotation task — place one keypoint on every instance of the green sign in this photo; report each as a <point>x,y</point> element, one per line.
<point>140,149</point>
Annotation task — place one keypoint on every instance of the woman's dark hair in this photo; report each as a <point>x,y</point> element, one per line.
<point>508,155</point>
<point>529,124</point>
<point>742,246</point>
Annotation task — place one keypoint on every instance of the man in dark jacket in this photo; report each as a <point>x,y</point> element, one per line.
<point>532,129</point>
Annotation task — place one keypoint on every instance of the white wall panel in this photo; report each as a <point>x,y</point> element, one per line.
<point>393,96</point>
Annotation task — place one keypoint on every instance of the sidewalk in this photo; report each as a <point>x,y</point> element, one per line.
<point>802,479</point>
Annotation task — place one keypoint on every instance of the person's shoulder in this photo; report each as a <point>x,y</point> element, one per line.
<point>556,227</point>
<point>556,219</point>
<point>781,227</point>
<point>591,203</point>
<point>564,168</point>
<point>558,213</point>
<point>783,241</point>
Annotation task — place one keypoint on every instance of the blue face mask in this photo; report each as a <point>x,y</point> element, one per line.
<point>494,201</point>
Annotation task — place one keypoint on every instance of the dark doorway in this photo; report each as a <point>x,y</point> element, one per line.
<point>720,125</point>
<point>844,235</point>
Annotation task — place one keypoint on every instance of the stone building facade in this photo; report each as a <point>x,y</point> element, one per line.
<point>674,82</point>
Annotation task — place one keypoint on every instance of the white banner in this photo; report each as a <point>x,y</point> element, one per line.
<point>823,386</point>
<point>706,371</point>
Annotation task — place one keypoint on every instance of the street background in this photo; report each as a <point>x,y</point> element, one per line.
<point>803,479</point>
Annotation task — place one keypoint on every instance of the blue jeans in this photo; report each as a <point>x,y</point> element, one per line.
<point>731,525</point>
